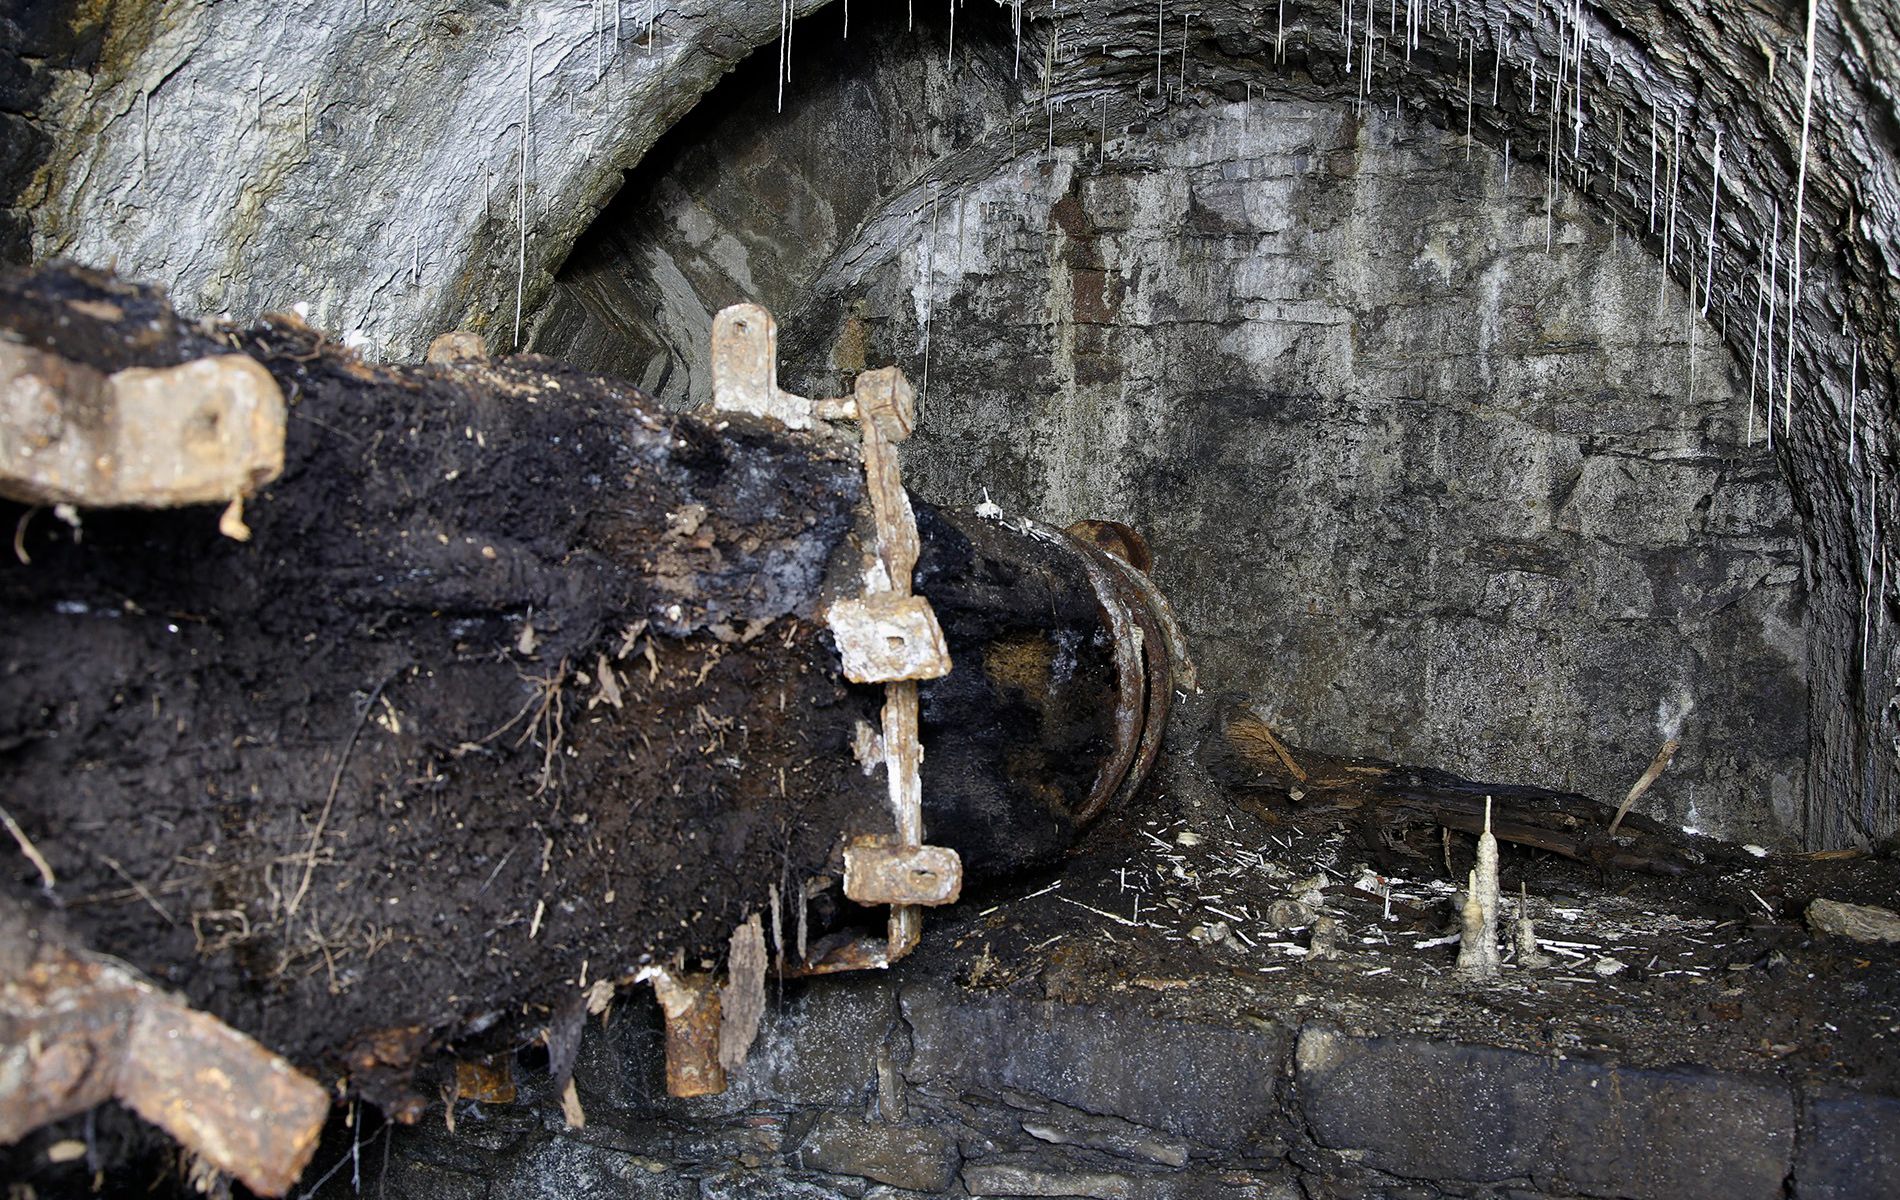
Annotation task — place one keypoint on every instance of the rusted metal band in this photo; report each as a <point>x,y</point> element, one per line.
<point>1181,669</point>
<point>1131,672</point>
<point>1150,661</point>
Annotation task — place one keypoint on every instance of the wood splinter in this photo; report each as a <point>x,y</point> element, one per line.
<point>1656,766</point>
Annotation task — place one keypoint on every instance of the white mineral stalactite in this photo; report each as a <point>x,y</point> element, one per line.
<point>1161,17</point>
<point>1774,264</point>
<point>521,209</point>
<point>1853,401</point>
<point>1715,192</point>
<point>1754,353</point>
<point>1867,576</point>
<point>1794,236</point>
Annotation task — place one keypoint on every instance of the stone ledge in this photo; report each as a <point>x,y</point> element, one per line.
<point>1452,1112</point>
<point>1849,1146</point>
<point>1104,1062</point>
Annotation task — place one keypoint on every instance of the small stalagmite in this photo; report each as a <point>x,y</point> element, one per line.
<point>1478,950</point>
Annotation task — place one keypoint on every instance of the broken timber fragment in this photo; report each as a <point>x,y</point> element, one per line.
<point>523,684</point>
<point>690,1004</point>
<point>1861,922</point>
<point>1245,754</point>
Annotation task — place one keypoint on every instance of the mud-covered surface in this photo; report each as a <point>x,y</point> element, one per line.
<point>516,685</point>
<point>1166,912</point>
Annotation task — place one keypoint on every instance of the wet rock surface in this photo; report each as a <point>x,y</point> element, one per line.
<point>1422,486</point>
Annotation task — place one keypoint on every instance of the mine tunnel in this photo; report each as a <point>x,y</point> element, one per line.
<point>971,598</point>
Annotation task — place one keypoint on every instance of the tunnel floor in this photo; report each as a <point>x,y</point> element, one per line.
<point>1135,1025</point>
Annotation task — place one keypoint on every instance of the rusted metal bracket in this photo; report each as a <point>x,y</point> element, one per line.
<point>885,635</point>
<point>78,1028</point>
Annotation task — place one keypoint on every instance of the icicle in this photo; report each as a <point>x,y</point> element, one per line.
<point>930,296</point>
<point>652,16</point>
<point>1761,298</point>
<point>1853,402</point>
<point>1576,86</point>
<point>1873,538</point>
<point>1715,190</point>
<point>1800,189</point>
<point>617,6</point>
<point>1675,192</point>
<point>1161,16</point>
<point>1507,165</point>
<point>1345,30</point>
<point>847,18</point>
<point>1471,59</point>
<point>1563,56</point>
<point>1016,18</point>
<point>1652,170</point>
<point>521,195</point>
<point>1695,326</point>
<point>784,48</point>
<point>960,208</point>
<point>1497,70</point>
<point>951,57</point>
<point>1366,58</point>
<point>1880,598</point>
<point>1279,35</point>
<point>1184,44</point>
<point>1533,89</point>
<point>1774,262</point>
<point>1616,168</point>
<point>1101,146</point>
<point>1392,29</point>
<point>1550,189</point>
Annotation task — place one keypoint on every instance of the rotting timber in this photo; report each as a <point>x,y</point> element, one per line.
<point>520,688</point>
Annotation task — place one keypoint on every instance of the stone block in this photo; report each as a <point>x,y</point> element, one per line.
<point>1451,1112</point>
<point>918,1158</point>
<point>1850,1146</point>
<point>1217,1086</point>
<point>1022,1179</point>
